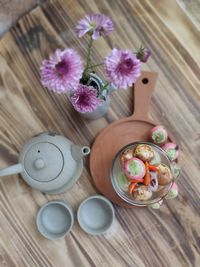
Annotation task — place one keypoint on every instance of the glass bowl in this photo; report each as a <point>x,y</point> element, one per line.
<point>122,191</point>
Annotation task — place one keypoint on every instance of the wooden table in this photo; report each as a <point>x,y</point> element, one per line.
<point>11,10</point>
<point>140,237</point>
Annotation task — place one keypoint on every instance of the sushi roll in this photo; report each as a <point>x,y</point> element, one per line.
<point>176,169</point>
<point>156,205</point>
<point>159,135</point>
<point>173,192</point>
<point>134,169</point>
<point>172,151</point>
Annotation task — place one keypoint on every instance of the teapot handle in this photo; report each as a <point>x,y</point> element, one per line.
<point>17,168</point>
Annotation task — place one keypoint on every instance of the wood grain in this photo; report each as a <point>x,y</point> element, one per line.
<point>11,10</point>
<point>142,237</point>
<point>191,8</point>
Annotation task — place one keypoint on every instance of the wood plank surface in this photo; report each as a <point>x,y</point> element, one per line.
<point>191,9</point>
<point>140,237</point>
<point>11,10</point>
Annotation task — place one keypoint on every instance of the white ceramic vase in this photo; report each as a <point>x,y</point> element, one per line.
<point>103,108</point>
<point>99,112</point>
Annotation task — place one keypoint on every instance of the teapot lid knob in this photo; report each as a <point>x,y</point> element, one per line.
<point>39,164</point>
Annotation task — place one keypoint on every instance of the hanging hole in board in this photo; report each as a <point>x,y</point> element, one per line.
<point>38,151</point>
<point>145,81</point>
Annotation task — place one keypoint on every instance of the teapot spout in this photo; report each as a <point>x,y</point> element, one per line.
<point>79,152</point>
<point>17,168</point>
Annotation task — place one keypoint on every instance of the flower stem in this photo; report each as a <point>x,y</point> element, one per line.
<point>88,57</point>
<point>96,65</point>
<point>105,85</point>
<point>104,91</point>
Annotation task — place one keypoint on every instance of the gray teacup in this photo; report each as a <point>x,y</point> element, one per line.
<point>96,215</point>
<point>55,219</point>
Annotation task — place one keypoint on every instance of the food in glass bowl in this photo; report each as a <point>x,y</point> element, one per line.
<point>141,173</point>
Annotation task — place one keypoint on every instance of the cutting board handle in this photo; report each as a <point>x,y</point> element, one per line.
<point>142,92</point>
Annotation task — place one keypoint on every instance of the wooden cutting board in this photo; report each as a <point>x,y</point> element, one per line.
<point>120,133</point>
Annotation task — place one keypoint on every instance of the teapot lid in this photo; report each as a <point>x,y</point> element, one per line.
<point>43,161</point>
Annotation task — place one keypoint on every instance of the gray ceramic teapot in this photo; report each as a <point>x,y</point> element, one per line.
<point>49,162</point>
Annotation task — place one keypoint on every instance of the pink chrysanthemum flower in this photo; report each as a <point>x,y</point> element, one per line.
<point>62,71</point>
<point>94,24</point>
<point>122,68</point>
<point>85,99</point>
